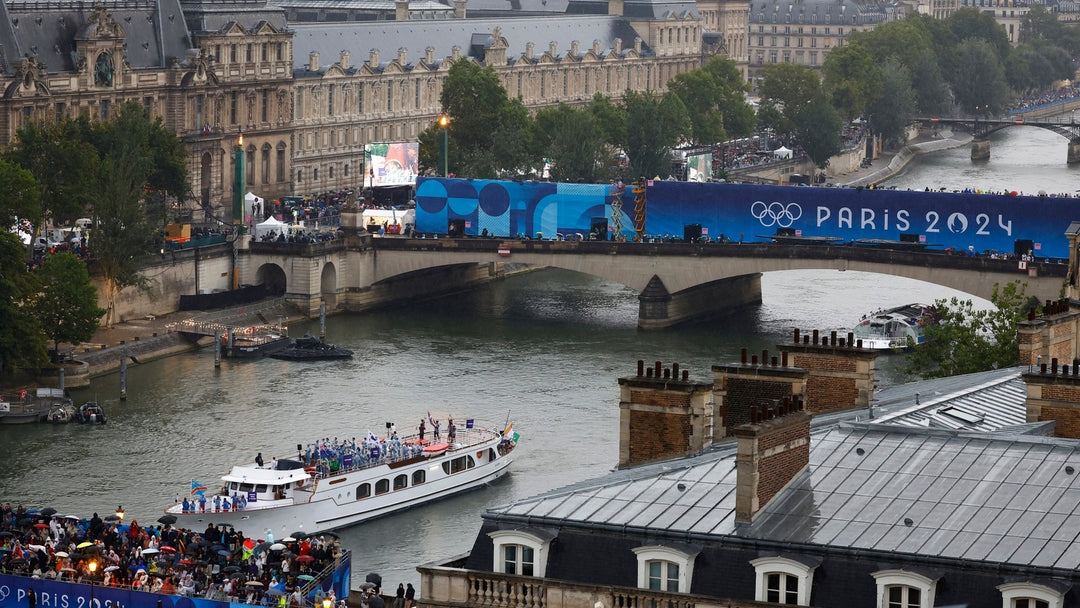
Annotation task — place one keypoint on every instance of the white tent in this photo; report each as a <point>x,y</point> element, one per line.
<point>249,203</point>
<point>782,153</point>
<point>270,225</point>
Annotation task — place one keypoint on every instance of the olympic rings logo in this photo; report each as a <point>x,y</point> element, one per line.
<point>776,214</point>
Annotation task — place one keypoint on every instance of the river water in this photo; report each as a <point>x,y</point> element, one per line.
<point>543,349</point>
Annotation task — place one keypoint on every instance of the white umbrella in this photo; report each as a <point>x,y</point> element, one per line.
<point>277,547</point>
<point>150,551</point>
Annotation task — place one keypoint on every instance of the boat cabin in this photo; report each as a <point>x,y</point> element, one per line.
<point>263,484</point>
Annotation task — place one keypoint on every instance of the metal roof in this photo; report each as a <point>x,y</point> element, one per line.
<point>1006,496</point>
<point>329,39</point>
<point>975,402</point>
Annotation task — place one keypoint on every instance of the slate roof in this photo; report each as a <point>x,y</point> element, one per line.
<point>1008,496</point>
<point>985,401</point>
<point>216,15</point>
<point>329,39</point>
<point>155,31</point>
<point>817,12</point>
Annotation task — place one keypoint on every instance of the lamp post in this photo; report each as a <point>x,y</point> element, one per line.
<point>238,181</point>
<point>120,513</point>
<point>327,603</point>
<point>93,569</point>
<point>444,157</point>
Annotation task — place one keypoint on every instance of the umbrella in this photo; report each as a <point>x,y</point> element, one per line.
<point>308,577</point>
<point>85,544</point>
<point>254,583</point>
<point>232,568</point>
<point>67,569</point>
<point>41,525</point>
<point>186,562</point>
<point>73,517</point>
<point>111,568</point>
<point>167,549</point>
<point>305,558</point>
<point>299,535</point>
<point>366,586</point>
<point>112,517</point>
<point>167,519</point>
<point>277,547</point>
<point>5,534</point>
<point>36,511</point>
<point>150,551</point>
<point>61,554</point>
<point>274,591</point>
<point>288,539</point>
<point>48,511</point>
<point>224,553</point>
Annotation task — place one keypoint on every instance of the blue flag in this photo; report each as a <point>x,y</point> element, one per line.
<point>197,489</point>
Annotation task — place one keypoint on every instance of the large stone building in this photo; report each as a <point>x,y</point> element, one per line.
<point>299,88</point>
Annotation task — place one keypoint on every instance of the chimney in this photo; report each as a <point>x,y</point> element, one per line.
<point>403,56</point>
<point>841,372</point>
<point>739,387</point>
<point>401,10</point>
<point>618,47</point>
<point>313,61</point>
<point>345,60</point>
<point>596,47</point>
<point>1051,334</point>
<point>553,49</point>
<point>455,53</point>
<point>615,8</point>
<point>772,450</point>
<point>373,59</point>
<point>429,55</point>
<point>530,50</point>
<point>637,44</point>
<point>662,415</point>
<point>574,46</point>
<point>459,9</point>
<point>1053,393</point>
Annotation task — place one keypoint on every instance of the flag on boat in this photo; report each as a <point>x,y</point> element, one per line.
<point>197,489</point>
<point>430,420</point>
<point>509,430</point>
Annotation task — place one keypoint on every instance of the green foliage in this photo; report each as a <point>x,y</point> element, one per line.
<point>852,79</point>
<point>906,39</point>
<point>978,81</point>
<point>67,305</point>
<point>968,340</point>
<point>969,22</point>
<point>22,344</point>
<point>931,90</point>
<point>20,193</point>
<point>889,113</point>
<point>715,99</point>
<point>788,87</point>
<point>572,139</point>
<point>818,127</point>
<point>654,126</point>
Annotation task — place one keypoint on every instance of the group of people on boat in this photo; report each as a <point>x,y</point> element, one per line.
<point>328,455</point>
<point>200,504</point>
<point>218,563</point>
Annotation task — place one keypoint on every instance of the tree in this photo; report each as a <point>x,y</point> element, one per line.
<point>22,345</point>
<point>969,22</point>
<point>891,113</point>
<point>572,140</point>
<point>818,129</point>
<point>654,126</point>
<point>967,340</point>
<point>904,39</point>
<point>851,79</point>
<point>21,194</point>
<point>979,78</point>
<point>789,87</point>
<point>1039,22</point>
<point>67,306</point>
<point>931,90</point>
<point>715,98</point>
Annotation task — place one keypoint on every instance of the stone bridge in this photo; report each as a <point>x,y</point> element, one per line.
<point>676,282</point>
<point>981,128</point>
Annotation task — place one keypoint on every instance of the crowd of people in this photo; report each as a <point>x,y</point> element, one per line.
<point>218,563</point>
<point>1044,98</point>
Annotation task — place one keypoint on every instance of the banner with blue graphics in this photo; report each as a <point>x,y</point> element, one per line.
<point>940,220</point>
<point>56,594</point>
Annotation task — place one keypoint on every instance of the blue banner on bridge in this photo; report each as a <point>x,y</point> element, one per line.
<point>58,594</point>
<point>987,222</point>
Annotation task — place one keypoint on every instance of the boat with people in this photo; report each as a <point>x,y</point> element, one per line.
<point>896,328</point>
<point>255,342</point>
<point>310,348</point>
<point>90,412</point>
<point>333,484</point>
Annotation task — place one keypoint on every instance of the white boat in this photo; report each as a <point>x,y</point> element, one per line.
<point>895,328</point>
<point>327,487</point>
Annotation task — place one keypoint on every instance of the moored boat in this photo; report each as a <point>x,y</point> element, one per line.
<point>310,348</point>
<point>895,328</point>
<point>90,413</point>
<point>31,407</point>
<point>335,485</point>
<point>257,342</point>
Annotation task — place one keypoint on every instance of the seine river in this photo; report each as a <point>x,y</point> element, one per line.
<point>543,349</point>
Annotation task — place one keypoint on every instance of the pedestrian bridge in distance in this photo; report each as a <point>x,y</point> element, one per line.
<point>676,282</point>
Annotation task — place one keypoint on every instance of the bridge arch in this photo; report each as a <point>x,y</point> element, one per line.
<point>328,286</point>
<point>273,277</point>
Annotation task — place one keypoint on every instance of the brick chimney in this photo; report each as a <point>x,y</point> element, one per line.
<point>739,387</point>
<point>841,372</point>
<point>1049,335</point>
<point>1053,393</point>
<point>772,450</point>
<point>662,415</point>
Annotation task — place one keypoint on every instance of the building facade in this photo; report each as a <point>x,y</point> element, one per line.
<point>298,99</point>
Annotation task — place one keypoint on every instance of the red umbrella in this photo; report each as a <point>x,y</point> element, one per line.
<point>186,562</point>
<point>41,525</point>
<point>305,558</point>
<point>167,549</point>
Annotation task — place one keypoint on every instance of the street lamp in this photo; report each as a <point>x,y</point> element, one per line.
<point>93,569</point>
<point>444,124</point>
<point>120,513</point>
<point>238,181</point>
<point>327,602</point>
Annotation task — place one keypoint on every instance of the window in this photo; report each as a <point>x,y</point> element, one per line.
<point>1031,595</point>
<point>299,175</point>
<point>784,580</point>
<point>665,568</point>
<point>232,53</point>
<point>265,106</point>
<point>281,163</point>
<point>360,98</point>
<point>264,170</point>
<point>250,161</point>
<point>364,489</point>
<point>383,485</point>
<point>233,103</point>
<point>522,551</point>
<point>419,477</point>
<point>247,53</point>
<point>400,481</point>
<point>264,49</point>
<point>904,589</point>
<point>458,465</point>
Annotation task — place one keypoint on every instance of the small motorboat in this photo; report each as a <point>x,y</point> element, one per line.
<point>896,328</point>
<point>310,348</point>
<point>90,413</point>
<point>61,413</point>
